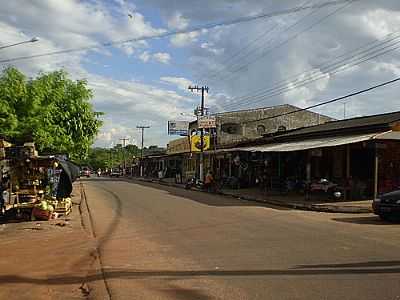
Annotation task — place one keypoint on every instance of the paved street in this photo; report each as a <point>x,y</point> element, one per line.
<point>160,242</point>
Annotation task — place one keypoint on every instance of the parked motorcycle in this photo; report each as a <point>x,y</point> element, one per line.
<point>194,183</point>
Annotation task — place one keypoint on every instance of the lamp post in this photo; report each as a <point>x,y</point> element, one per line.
<point>32,40</point>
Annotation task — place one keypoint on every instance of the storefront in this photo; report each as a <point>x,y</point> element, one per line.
<point>358,165</point>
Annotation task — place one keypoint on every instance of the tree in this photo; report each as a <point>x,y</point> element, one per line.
<point>107,158</point>
<point>51,108</point>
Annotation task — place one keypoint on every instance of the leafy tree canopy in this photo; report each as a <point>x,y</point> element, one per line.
<point>110,157</point>
<point>51,108</point>
<point>114,157</point>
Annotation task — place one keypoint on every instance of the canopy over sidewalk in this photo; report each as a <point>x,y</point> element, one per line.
<point>322,142</point>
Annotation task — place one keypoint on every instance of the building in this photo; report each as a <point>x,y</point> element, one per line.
<point>247,125</point>
<point>359,156</point>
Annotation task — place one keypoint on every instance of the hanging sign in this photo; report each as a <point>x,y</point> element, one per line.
<point>207,122</point>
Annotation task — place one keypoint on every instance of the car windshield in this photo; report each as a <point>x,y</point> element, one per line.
<point>187,149</point>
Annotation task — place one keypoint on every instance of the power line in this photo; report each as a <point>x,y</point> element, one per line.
<point>316,74</point>
<point>248,45</point>
<point>329,101</point>
<point>324,66</point>
<point>301,84</point>
<point>269,48</point>
<point>265,53</point>
<point>252,42</point>
<point>188,30</point>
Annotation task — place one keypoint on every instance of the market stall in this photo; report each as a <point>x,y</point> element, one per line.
<point>37,187</point>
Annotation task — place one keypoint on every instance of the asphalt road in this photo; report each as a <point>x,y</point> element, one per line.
<point>161,242</point>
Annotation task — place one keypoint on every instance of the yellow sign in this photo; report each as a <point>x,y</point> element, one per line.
<point>195,143</point>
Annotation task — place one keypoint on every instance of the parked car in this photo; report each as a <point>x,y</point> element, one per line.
<point>387,206</point>
<point>115,173</point>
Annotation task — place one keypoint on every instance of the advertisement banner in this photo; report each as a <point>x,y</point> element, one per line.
<point>178,127</point>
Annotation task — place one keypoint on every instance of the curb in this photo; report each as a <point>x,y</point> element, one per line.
<point>101,287</point>
<point>299,206</point>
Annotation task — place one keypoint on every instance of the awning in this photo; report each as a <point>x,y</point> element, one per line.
<point>318,143</point>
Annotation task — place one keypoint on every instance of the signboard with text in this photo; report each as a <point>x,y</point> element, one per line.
<point>178,127</point>
<point>207,122</point>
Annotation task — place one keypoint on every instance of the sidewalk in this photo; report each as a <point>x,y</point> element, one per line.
<point>46,259</point>
<point>286,201</point>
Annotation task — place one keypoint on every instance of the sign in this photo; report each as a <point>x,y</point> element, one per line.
<point>195,143</point>
<point>178,127</point>
<point>207,122</point>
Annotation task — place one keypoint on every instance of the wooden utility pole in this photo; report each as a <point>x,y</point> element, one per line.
<point>202,89</point>
<point>123,153</point>
<point>142,128</point>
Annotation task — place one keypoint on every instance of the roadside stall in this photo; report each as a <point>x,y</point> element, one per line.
<point>38,187</point>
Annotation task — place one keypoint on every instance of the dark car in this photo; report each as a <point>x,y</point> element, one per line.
<point>387,206</point>
<point>85,173</point>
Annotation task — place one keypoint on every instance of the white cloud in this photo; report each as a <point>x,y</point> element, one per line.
<point>112,132</point>
<point>128,103</point>
<point>162,57</point>
<point>145,56</point>
<point>177,21</point>
<point>184,39</point>
<point>73,24</point>
<point>70,24</point>
<point>380,22</point>
<point>210,47</point>
<point>180,82</point>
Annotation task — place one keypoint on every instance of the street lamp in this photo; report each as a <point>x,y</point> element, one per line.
<point>32,40</point>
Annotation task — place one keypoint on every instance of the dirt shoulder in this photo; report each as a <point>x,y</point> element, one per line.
<point>50,259</point>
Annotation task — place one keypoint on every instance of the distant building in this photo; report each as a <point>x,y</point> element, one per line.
<point>154,150</point>
<point>247,125</point>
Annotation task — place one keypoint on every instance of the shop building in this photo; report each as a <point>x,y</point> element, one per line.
<point>359,156</point>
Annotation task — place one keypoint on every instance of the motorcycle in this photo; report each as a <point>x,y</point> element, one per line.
<point>193,182</point>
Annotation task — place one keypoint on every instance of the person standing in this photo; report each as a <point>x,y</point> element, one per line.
<point>209,182</point>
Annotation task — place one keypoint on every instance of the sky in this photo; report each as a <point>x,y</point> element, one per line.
<point>300,58</point>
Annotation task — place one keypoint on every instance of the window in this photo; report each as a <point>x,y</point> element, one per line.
<point>260,129</point>
<point>231,128</point>
<point>282,128</point>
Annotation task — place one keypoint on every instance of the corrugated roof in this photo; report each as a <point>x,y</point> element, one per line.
<point>321,142</point>
<point>354,123</point>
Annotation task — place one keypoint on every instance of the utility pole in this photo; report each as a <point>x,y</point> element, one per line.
<point>142,128</point>
<point>111,159</point>
<point>123,154</point>
<point>202,89</point>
